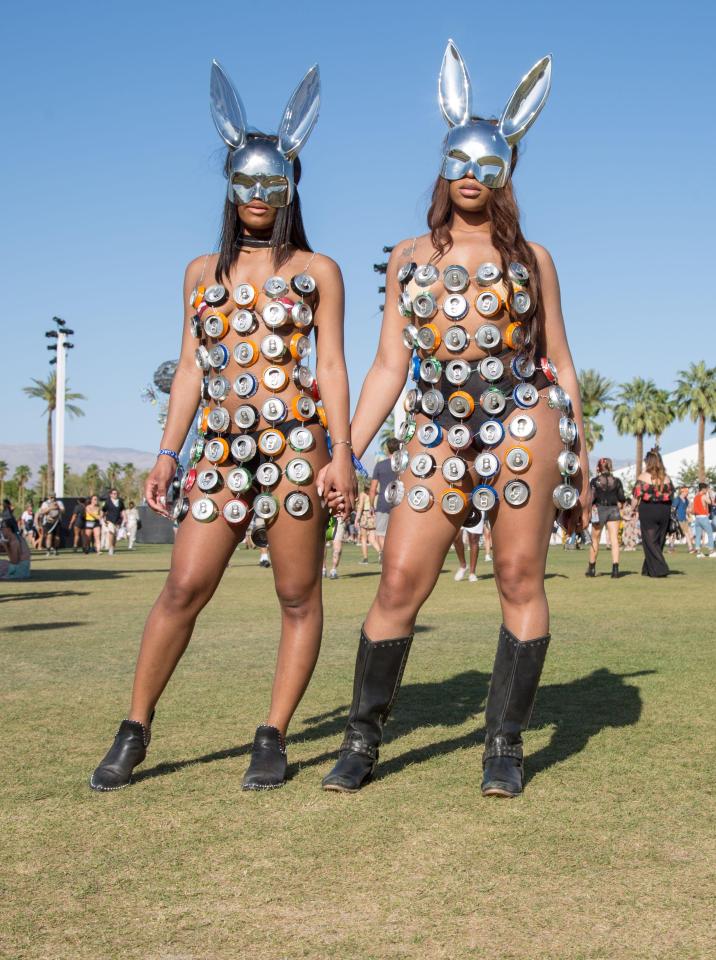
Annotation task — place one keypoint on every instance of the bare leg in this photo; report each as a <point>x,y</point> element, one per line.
<point>613,534</point>
<point>199,558</point>
<point>474,540</point>
<point>337,550</point>
<point>364,543</point>
<point>487,535</point>
<point>521,535</point>
<point>296,553</point>
<point>460,550</point>
<point>594,545</point>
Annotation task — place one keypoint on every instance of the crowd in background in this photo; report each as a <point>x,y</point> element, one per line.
<point>655,515</point>
<point>94,526</point>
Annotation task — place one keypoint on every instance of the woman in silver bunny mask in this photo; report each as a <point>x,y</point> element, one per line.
<point>250,310</point>
<point>473,312</point>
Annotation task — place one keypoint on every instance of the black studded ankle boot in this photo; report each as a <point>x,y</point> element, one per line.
<point>615,571</point>
<point>513,687</point>
<point>591,570</point>
<point>269,763</point>
<point>127,752</point>
<point>379,670</point>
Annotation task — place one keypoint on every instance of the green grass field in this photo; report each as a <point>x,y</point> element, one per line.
<point>608,854</point>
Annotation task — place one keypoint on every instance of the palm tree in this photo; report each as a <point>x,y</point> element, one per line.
<point>664,414</point>
<point>636,412</point>
<point>3,473</point>
<point>695,398</point>
<point>596,393</point>
<point>46,390</point>
<point>387,431</point>
<point>42,477</point>
<point>129,480</point>
<point>113,471</point>
<point>21,476</point>
<point>92,478</point>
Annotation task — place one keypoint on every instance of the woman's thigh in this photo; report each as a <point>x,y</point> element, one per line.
<point>417,541</point>
<point>297,543</point>
<point>613,531</point>
<point>522,534</point>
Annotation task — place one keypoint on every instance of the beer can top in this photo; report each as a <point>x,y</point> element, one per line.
<point>516,492</point>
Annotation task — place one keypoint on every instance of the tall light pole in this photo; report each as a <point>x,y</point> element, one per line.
<point>63,344</point>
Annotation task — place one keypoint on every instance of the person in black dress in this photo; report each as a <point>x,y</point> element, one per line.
<point>607,496</point>
<point>653,492</point>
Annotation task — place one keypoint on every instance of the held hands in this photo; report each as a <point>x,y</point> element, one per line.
<point>336,485</point>
<point>155,489</point>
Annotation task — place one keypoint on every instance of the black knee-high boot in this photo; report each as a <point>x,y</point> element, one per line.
<point>513,687</point>
<point>127,752</point>
<point>379,670</point>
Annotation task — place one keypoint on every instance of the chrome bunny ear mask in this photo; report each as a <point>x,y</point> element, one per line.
<point>479,146</point>
<point>261,167</point>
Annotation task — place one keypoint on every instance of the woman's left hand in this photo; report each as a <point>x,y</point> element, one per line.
<point>339,486</point>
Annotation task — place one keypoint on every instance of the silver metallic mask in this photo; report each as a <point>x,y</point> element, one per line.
<point>259,167</point>
<point>479,146</point>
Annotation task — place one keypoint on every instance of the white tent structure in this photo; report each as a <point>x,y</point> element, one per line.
<point>674,462</point>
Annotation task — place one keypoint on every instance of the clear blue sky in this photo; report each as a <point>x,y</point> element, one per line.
<point>110,173</point>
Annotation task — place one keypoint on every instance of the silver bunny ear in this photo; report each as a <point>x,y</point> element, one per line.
<point>526,102</point>
<point>227,109</point>
<point>454,87</point>
<point>300,115</point>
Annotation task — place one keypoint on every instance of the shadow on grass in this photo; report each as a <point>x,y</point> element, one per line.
<point>54,625</point>
<point>36,595</point>
<point>88,573</point>
<point>360,573</point>
<point>577,710</point>
<point>162,769</point>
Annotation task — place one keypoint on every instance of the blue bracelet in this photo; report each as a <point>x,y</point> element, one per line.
<point>169,453</point>
<point>359,467</point>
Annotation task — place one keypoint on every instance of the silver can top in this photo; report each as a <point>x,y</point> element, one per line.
<point>516,492</point>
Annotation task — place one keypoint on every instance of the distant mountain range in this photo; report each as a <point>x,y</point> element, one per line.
<point>78,458</point>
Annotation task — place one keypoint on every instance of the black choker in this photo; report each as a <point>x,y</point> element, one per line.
<point>245,241</point>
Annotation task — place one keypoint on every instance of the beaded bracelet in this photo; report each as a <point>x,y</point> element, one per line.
<point>169,453</point>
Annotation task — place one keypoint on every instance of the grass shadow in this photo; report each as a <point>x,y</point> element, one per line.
<point>174,766</point>
<point>87,573</point>
<point>54,625</point>
<point>36,595</point>
<point>577,710</point>
<point>360,573</point>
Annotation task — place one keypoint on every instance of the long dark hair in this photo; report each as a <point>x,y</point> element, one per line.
<point>506,235</point>
<point>288,230</point>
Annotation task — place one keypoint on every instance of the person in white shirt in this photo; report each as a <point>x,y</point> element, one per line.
<point>131,518</point>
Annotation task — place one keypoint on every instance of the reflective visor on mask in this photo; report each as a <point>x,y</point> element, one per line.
<point>478,147</point>
<point>260,172</point>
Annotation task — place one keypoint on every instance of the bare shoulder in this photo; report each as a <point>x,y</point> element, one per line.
<point>544,257</point>
<point>203,264</point>
<point>409,248</point>
<point>325,268</point>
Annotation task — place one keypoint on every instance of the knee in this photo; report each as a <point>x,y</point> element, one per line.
<point>298,601</point>
<point>183,593</point>
<point>396,588</point>
<point>520,581</point>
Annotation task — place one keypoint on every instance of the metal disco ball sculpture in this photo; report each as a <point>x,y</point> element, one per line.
<point>164,375</point>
